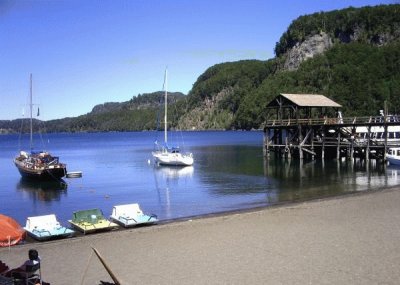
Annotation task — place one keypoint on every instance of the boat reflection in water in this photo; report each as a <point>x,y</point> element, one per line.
<point>174,172</point>
<point>43,190</point>
<point>300,181</point>
<point>171,183</point>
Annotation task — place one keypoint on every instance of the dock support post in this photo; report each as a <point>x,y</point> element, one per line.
<point>386,140</point>
<point>288,151</point>
<point>352,143</point>
<point>280,141</point>
<point>368,141</point>
<point>323,145</point>
<point>312,144</point>
<point>299,144</point>
<point>266,143</point>
<point>338,146</point>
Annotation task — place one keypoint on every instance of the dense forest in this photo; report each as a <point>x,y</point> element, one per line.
<point>360,70</point>
<point>359,77</point>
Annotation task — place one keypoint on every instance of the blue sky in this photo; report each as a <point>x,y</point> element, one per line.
<point>84,53</point>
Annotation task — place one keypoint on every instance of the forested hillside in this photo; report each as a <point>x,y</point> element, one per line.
<point>139,113</point>
<point>375,25</point>
<point>357,64</point>
<point>350,55</point>
<point>218,93</point>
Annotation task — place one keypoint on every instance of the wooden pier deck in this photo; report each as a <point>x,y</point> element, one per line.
<point>363,137</point>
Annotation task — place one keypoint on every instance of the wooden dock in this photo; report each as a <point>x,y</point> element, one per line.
<point>352,137</point>
<point>310,126</point>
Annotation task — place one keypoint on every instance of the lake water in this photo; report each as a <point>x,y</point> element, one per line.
<point>229,174</point>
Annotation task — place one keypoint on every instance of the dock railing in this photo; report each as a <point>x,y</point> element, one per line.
<point>372,120</point>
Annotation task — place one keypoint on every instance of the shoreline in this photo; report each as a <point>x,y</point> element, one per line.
<point>31,241</point>
<point>347,239</point>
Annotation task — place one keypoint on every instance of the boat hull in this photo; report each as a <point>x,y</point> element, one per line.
<point>41,174</point>
<point>50,235</point>
<point>393,156</point>
<point>393,160</point>
<point>172,159</point>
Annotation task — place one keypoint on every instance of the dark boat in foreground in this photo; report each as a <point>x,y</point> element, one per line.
<point>38,165</point>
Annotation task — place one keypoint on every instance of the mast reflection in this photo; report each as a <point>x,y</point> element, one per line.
<point>168,178</point>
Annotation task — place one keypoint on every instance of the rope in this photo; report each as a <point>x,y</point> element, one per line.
<point>86,268</point>
<point>56,179</point>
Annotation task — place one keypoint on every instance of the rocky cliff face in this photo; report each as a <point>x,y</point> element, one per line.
<point>312,46</point>
<point>319,43</point>
<point>106,107</point>
<point>208,116</point>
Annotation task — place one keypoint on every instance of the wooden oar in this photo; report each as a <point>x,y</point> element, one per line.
<point>112,275</point>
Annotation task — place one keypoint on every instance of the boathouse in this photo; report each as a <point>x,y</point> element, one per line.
<point>302,106</point>
<point>311,126</point>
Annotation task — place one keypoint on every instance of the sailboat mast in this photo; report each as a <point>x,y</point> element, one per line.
<point>30,107</point>
<point>165,107</point>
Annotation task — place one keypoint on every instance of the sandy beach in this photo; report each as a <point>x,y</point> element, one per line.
<point>354,239</point>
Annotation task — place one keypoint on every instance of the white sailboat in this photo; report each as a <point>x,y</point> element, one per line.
<point>165,155</point>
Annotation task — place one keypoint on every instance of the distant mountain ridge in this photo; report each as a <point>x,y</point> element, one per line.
<point>350,55</point>
<point>139,113</point>
<point>141,101</point>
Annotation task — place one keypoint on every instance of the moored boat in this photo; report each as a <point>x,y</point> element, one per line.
<point>38,165</point>
<point>393,156</point>
<point>172,157</point>
<point>165,155</point>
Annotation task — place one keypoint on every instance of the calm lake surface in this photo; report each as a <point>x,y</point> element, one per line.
<point>229,174</point>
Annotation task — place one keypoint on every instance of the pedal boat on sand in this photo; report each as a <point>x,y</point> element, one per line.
<point>93,220</point>
<point>131,215</point>
<point>46,227</point>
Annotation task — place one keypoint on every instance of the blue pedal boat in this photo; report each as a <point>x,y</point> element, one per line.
<point>131,215</point>
<point>46,227</point>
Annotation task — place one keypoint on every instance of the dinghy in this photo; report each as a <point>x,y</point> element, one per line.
<point>11,233</point>
<point>74,174</point>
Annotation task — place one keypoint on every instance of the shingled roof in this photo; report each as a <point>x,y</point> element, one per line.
<point>305,100</point>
